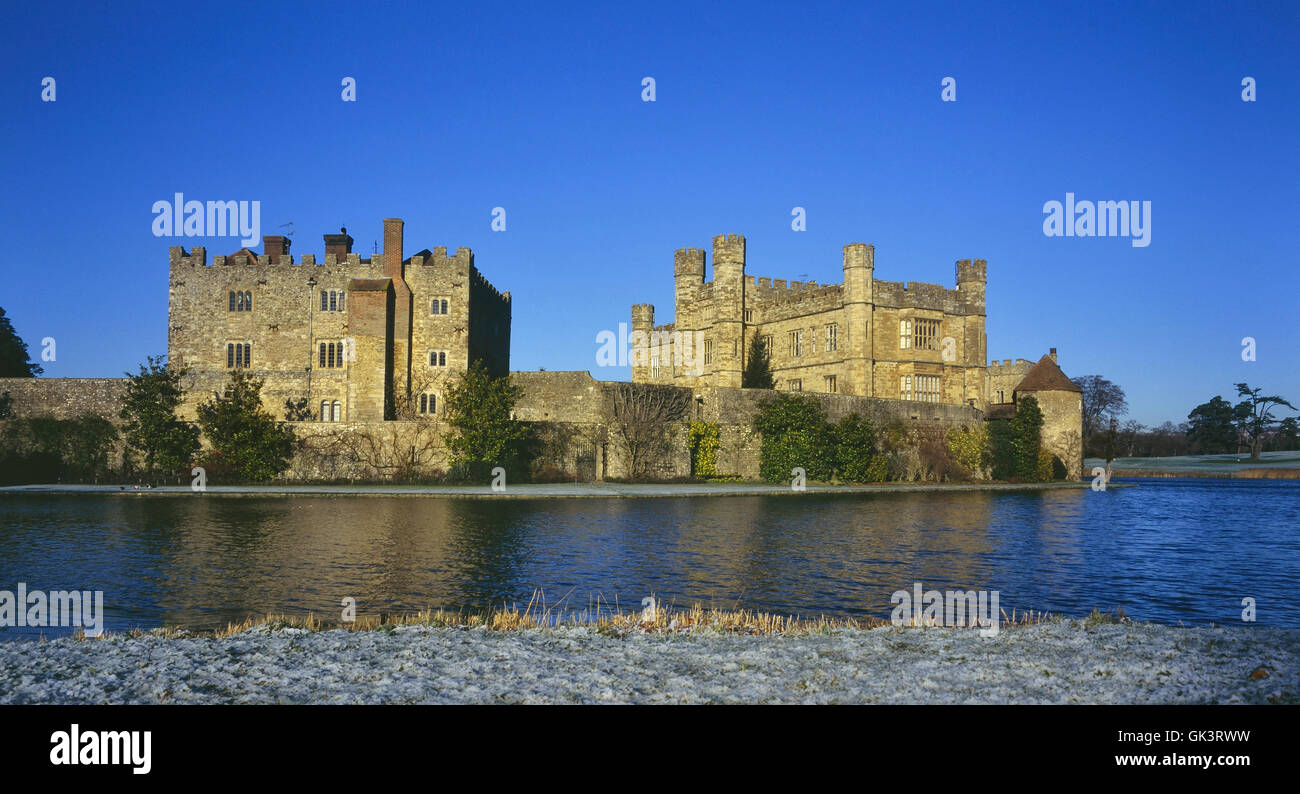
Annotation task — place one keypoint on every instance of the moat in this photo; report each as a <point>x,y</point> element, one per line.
<point>1167,551</point>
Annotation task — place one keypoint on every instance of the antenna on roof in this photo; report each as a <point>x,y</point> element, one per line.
<point>288,226</point>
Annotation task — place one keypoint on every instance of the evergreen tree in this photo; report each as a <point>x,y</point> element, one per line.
<point>244,436</point>
<point>1026,433</point>
<point>149,418</point>
<point>795,434</point>
<point>484,433</point>
<point>14,360</point>
<point>758,369</point>
<point>1212,427</point>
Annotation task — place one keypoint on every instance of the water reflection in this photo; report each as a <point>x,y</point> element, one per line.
<point>1168,551</point>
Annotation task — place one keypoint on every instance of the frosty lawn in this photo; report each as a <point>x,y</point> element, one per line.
<point>1065,661</point>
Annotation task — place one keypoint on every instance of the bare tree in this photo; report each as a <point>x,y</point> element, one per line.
<point>1102,401</point>
<point>642,418</point>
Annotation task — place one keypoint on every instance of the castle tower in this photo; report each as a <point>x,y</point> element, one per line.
<point>859,277</point>
<point>727,351</point>
<point>643,323</point>
<point>688,277</point>
<point>973,346</point>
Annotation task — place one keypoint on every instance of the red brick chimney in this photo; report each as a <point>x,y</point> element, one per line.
<point>393,248</point>
<point>276,246</point>
<point>339,244</point>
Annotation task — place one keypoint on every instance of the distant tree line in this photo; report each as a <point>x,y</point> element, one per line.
<point>1216,426</point>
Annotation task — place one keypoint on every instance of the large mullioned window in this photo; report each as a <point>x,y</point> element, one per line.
<point>922,388</point>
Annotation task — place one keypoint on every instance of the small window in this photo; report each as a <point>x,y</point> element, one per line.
<point>749,315</point>
<point>333,300</point>
<point>832,338</point>
<point>428,403</point>
<point>239,356</point>
<point>904,334</point>
<point>438,306</point>
<point>438,358</point>
<point>905,387</point>
<point>796,385</point>
<point>338,411</point>
<point>232,301</point>
<point>830,384</point>
<point>708,351</point>
<point>330,355</point>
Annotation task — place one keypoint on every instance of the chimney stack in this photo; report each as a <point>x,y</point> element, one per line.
<point>276,246</point>
<point>339,244</point>
<point>393,247</point>
<point>1052,353</point>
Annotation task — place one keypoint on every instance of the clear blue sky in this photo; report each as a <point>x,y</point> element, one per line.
<point>760,108</point>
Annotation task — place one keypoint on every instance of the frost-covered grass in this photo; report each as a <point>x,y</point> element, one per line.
<point>1096,660</point>
<point>1284,465</point>
<point>603,619</point>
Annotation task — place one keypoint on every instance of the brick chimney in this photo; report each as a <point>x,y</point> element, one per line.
<point>1053,354</point>
<point>393,248</point>
<point>276,246</point>
<point>339,244</point>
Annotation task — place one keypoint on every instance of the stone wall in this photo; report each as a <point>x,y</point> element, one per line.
<point>65,398</point>
<point>572,413</point>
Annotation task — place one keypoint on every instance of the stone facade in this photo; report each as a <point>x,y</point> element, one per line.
<point>863,337</point>
<point>362,340</point>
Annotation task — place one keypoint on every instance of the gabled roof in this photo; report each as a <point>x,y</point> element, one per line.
<point>1046,376</point>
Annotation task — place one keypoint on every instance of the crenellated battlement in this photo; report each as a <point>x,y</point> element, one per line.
<point>480,281</point>
<point>688,262</point>
<point>972,271</point>
<point>643,315</point>
<point>464,257</point>
<point>728,252</point>
<point>179,256</point>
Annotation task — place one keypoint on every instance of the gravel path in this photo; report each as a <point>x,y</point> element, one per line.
<point>1064,662</point>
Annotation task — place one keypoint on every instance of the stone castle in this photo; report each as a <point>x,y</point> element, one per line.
<point>912,341</point>
<point>360,340</point>
<point>368,345</point>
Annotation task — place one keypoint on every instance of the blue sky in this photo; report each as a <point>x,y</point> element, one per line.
<point>760,108</point>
